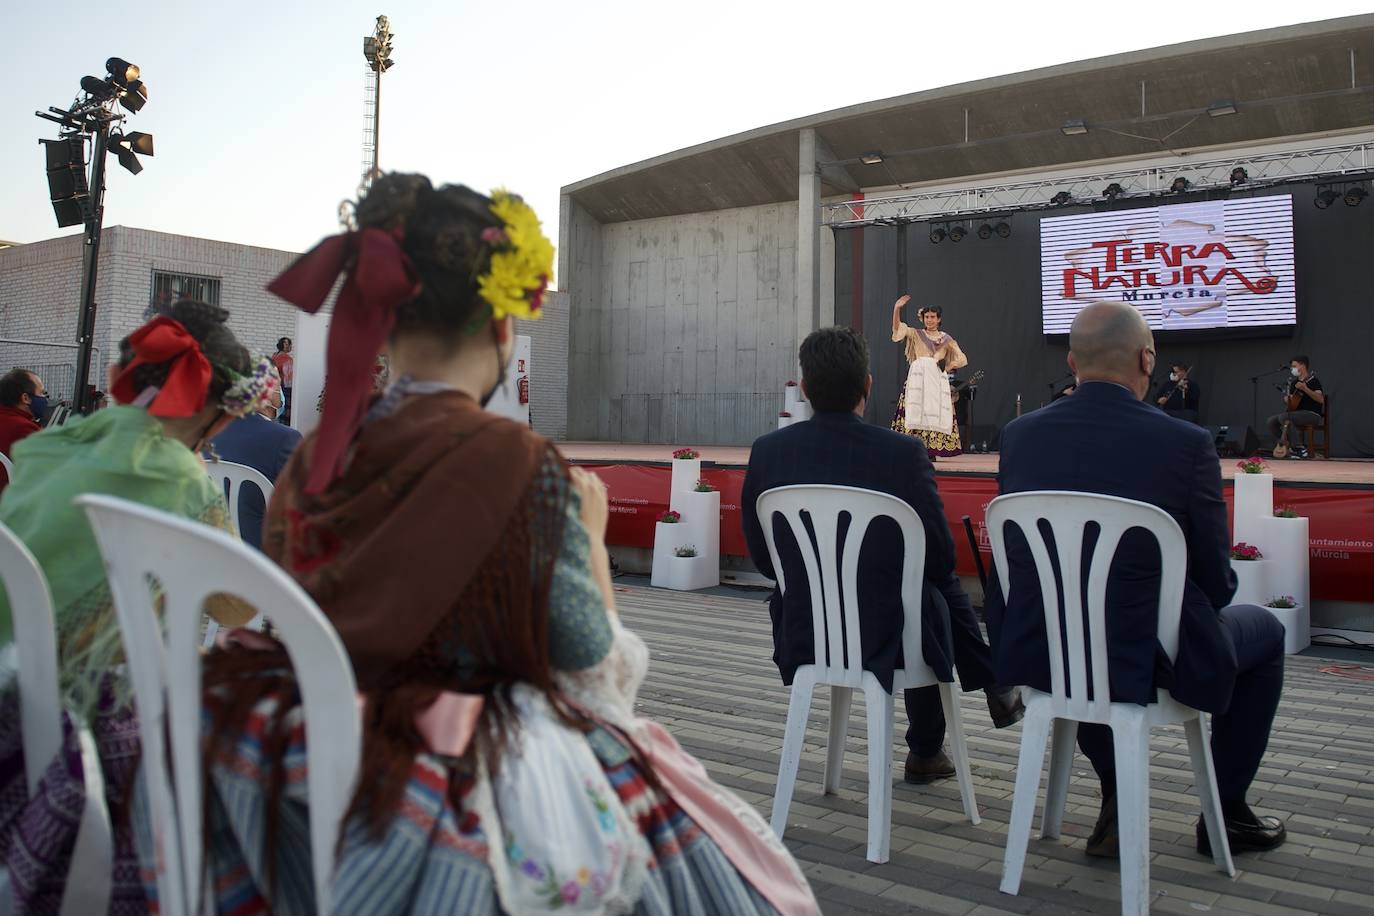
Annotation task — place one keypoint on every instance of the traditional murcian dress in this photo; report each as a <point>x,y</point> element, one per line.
<point>924,408</point>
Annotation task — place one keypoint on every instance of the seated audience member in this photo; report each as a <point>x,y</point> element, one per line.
<point>836,447</point>
<point>463,564</point>
<point>23,404</point>
<point>1230,659</point>
<point>181,378</point>
<point>1303,385</point>
<point>263,444</point>
<point>1180,396</point>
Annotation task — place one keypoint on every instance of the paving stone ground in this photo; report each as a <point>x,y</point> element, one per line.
<point>713,683</point>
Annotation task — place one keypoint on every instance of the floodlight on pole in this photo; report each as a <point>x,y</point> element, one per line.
<point>75,200</point>
<point>377,52</point>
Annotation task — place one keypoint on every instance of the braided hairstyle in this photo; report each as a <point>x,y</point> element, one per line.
<point>206,323</point>
<point>442,234</point>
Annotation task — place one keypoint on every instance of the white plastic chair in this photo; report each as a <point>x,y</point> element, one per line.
<point>192,562</point>
<point>1068,514</point>
<point>834,628</point>
<point>8,465</point>
<point>234,476</point>
<point>40,722</point>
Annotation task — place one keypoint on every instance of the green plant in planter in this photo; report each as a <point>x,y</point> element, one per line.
<point>1282,601</point>
<point>1285,512</point>
<point>684,552</point>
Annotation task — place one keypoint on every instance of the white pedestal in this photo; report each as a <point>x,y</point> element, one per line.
<point>1297,627</point>
<point>1284,543</point>
<point>699,529</point>
<point>1252,582</point>
<point>1254,500</point>
<point>784,422</point>
<point>686,473</point>
<point>795,404</point>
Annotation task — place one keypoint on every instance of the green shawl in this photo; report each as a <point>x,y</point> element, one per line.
<point>119,451</point>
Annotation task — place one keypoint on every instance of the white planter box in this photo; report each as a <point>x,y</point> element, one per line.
<point>687,574</point>
<point>1252,582</point>
<point>1254,500</point>
<point>1284,542</point>
<point>686,473</point>
<point>1297,627</point>
<point>795,404</point>
<point>667,538</point>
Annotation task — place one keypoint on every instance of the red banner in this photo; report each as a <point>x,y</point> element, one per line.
<point>1341,523</point>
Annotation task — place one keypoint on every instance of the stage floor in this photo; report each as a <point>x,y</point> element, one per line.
<point>1316,471</point>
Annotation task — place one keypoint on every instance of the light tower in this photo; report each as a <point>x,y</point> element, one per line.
<point>377,51</point>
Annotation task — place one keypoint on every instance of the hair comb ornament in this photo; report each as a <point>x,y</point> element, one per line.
<point>250,391</point>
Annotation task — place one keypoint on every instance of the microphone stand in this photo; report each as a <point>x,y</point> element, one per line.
<point>1254,393</point>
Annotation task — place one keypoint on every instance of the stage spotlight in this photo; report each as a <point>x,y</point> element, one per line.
<point>97,88</point>
<point>134,96</point>
<point>957,234</point>
<point>1004,230</point>
<point>872,157</point>
<point>121,71</point>
<point>1354,195</point>
<point>1074,128</point>
<point>1061,199</point>
<point>124,146</point>
<point>1180,185</point>
<point>1219,109</point>
<point>1326,197</point>
<point>1239,176</point>
<point>67,186</point>
<point>1112,191</point>
<point>937,235</point>
<point>985,231</point>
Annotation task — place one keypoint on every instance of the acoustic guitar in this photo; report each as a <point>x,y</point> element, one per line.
<point>955,389</point>
<point>1282,449</point>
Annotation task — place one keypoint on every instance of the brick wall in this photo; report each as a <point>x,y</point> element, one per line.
<point>40,291</point>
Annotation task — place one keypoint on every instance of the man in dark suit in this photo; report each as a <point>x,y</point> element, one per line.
<point>1104,439</point>
<point>263,444</point>
<point>836,447</point>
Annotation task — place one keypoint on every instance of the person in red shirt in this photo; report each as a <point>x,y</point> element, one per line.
<point>23,405</point>
<point>286,371</point>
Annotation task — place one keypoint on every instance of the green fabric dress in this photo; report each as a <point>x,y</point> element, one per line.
<point>119,451</point>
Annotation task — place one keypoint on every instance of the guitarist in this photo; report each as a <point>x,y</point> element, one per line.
<point>1304,402</point>
<point>1181,396</point>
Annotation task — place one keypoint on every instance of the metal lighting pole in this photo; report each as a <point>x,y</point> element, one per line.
<point>377,51</point>
<point>90,264</point>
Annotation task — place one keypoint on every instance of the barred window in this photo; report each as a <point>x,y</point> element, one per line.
<point>169,288</point>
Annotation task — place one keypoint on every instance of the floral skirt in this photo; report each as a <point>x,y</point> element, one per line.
<point>433,857</point>
<point>37,835</point>
<point>938,444</point>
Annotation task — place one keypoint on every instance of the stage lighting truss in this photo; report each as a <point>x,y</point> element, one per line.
<point>1318,163</point>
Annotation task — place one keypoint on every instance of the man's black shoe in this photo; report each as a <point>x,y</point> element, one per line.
<point>1105,842</point>
<point>921,770</point>
<point>1265,833</point>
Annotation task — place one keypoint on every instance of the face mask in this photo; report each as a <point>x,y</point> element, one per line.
<point>38,406</point>
<point>1294,370</point>
<point>1173,376</point>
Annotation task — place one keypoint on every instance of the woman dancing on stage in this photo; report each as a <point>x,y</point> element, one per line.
<point>925,407</point>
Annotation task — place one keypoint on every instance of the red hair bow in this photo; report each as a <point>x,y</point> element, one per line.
<point>378,277</point>
<point>188,379</point>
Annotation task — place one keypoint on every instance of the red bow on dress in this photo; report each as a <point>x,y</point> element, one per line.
<point>188,378</point>
<point>378,277</point>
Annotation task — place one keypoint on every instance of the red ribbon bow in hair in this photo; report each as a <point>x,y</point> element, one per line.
<point>379,278</point>
<point>188,378</point>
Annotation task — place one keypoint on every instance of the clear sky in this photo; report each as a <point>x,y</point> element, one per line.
<point>257,107</point>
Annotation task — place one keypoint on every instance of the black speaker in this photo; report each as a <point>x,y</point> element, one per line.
<point>1231,444</point>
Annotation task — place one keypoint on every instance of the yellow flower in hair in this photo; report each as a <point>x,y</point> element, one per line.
<point>521,260</point>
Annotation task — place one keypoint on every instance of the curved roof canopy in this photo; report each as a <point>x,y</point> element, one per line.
<point>1281,82</point>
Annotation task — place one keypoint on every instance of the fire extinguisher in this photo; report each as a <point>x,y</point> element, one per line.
<point>523,387</point>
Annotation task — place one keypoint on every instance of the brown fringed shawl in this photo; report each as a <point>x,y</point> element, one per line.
<point>433,556</point>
